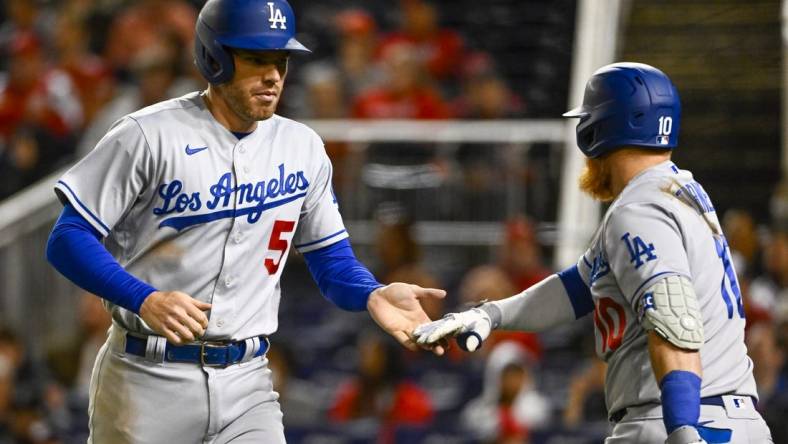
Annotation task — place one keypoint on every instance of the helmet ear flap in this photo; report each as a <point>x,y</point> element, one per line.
<point>213,60</point>
<point>586,138</point>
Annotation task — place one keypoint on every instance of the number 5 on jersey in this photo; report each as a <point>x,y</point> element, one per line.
<point>276,243</point>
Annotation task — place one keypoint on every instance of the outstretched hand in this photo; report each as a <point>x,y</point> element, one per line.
<point>397,310</point>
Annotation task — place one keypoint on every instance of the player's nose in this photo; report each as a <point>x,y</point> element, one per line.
<point>271,75</point>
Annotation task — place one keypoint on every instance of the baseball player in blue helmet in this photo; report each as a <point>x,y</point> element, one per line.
<point>182,218</point>
<point>657,278</point>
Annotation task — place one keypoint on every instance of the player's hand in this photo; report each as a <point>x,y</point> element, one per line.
<point>175,315</point>
<point>471,327</point>
<point>397,310</point>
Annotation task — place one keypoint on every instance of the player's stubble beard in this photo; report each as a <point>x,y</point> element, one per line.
<point>596,179</point>
<point>241,103</point>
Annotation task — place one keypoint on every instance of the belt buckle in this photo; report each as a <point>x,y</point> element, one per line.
<point>208,345</point>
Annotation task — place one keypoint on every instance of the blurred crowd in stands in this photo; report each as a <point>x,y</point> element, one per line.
<point>70,68</point>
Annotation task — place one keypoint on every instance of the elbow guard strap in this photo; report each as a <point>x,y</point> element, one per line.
<point>670,308</point>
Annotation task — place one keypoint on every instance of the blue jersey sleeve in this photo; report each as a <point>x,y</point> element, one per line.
<point>577,290</point>
<point>341,277</point>
<point>75,250</point>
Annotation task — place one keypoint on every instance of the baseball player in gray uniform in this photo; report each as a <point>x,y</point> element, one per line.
<point>658,278</point>
<point>182,217</point>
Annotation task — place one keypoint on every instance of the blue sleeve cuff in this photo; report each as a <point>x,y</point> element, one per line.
<point>680,399</point>
<point>341,277</point>
<point>578,291</point>
<point>75,251</point>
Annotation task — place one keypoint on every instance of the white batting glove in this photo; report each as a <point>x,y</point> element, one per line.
<point>472,327</point>
<point>685,435</point>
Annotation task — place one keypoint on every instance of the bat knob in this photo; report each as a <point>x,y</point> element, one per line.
<point>470,341</point>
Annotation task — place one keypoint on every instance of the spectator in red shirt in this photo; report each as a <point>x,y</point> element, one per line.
<point>380,392</point>
<point>146,24</point>
<point>439,50</point>
<point>39,116</point>
<point>405,93</point>
<point>89,74</point>
<point>332,83</point>
<point>485,94</point>
<point>22,16</point>
<point>36,95</point>
<point>358,40</point>
<point>521,254</point>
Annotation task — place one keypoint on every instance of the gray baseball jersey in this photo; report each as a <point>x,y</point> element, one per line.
<point>185,205</point>
<point>663,223</point>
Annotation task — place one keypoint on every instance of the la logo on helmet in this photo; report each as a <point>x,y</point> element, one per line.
<point>276,17</point>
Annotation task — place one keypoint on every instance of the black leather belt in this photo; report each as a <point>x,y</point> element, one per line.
<point>618,415</point>
<point>207,353</point>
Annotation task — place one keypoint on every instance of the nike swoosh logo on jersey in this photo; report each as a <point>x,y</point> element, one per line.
<point>192,151</point>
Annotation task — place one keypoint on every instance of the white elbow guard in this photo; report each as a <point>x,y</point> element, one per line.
<point>670,308</point>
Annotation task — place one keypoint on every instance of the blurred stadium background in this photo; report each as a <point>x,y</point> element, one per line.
<point>452,170</point>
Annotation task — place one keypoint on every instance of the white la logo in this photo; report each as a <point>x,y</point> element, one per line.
<point>276,17</point>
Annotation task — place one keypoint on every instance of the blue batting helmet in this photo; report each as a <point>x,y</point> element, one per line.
<point>627,104</point>
<point>262,25</point>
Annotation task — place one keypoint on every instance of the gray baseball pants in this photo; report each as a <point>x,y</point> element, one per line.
<point>644,424</point>
<point>134,400</point>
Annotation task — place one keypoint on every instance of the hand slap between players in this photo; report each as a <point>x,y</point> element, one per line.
<point>397,310</point>
<point>471,327</point>
<point>175,315</point>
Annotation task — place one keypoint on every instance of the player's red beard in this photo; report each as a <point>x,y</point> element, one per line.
<point>596,180</point>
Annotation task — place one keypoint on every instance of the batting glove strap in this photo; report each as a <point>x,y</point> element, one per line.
<point>494,312</point>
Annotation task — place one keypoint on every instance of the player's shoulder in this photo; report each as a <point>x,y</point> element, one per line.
<point>650,195</point>
<point>179,109</point>
<point>295,128</point>
<point>654,188</point>
<point>299,138</point>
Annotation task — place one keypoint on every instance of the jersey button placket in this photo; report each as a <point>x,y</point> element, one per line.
<point>241,171</point>
<point>227,281</point>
